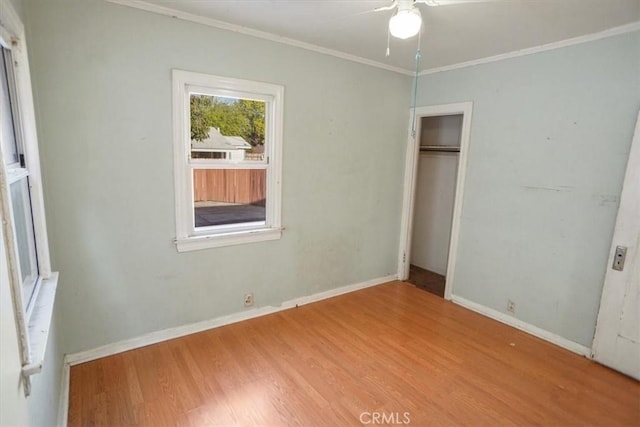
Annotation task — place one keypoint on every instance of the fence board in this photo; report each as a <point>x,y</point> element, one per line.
<point>230,185</point>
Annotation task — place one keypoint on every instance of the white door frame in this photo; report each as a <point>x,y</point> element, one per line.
<point>409,194</point>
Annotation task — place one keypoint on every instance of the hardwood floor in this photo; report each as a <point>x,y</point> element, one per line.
<point>391,350</point>
<point>427,280</point>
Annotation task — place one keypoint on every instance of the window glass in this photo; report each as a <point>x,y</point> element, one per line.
<point>227,128</point>
<point>229,196</point>
<point>9,145</point>
<point>21,204</point>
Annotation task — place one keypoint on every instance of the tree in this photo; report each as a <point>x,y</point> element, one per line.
<point>240,117</point>
<point>254,112</point>
<point>228,119</point>
<point>200,106</point>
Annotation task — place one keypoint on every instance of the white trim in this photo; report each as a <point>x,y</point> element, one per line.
<point>195,243</point>
<point>615,31</point>
<point>29,135</point>
<point>180,331</point>
<point>142,5</point>
<point>138,4</point>
<point>523,326</point>
<point>13,265</point>
<point>40,324</point>
<point>408,188</point>
<point>230,164</point>
<point>188,238</point>
<point>13,23</point>
<point>180,156</point>
<point>410,178</point>
<point>63,400</point>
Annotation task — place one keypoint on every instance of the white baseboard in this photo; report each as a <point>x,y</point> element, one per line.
<point>171,333</point>
<point>63,405</point>
<point>523,326</point>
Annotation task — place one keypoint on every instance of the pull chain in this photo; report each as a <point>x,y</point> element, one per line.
<point>415,86</point>
<point>388,37</point>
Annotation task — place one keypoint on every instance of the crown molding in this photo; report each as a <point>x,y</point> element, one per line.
<point>173,13</point>
<point>615,31</point>
<point>149,7</point>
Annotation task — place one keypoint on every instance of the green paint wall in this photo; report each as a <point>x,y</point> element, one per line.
<point>102,76</point>
<point>549,143</point>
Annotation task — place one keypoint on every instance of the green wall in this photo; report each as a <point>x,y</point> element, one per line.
<point>550,138</point>
<point>102,75</point>
<point>549,143</point>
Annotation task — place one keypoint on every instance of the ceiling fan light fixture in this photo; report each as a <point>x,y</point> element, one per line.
<point>405,23</point>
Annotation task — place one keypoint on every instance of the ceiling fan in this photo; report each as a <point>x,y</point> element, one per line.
<point>406,22</point>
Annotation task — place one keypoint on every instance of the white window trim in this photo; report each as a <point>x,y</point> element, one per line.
<point>34,323</point>
<point>187,238</point>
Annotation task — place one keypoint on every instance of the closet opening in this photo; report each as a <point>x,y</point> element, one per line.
<point>436,164</point>
<point>433,204</point>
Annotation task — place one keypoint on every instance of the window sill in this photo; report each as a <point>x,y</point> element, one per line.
<point>227,239</point>
<point>40,324</point>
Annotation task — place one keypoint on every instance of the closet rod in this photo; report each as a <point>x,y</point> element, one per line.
<point>443,148</point>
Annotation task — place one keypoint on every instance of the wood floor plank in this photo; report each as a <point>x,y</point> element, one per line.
<point>391,350</point>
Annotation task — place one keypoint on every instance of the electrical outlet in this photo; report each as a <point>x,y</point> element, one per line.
<point>248,300</point>
<point>511,306</point>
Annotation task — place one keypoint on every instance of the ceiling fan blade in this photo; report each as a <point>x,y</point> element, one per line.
<point>451,2</point>
<point>391,6</point>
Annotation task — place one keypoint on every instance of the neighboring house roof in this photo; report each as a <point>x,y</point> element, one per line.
<point>218,142</point>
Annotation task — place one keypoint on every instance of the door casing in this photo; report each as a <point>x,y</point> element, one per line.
<point>409,192</point>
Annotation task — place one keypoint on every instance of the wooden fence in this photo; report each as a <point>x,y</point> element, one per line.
<point>230,185</point>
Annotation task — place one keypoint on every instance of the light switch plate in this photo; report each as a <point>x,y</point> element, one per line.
<point>618,258</point>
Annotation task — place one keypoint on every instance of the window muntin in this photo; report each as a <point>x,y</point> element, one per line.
<point>228,142</point>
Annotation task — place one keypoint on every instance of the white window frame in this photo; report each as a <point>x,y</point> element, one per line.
<point>33,321</point>
<point>188,237</point>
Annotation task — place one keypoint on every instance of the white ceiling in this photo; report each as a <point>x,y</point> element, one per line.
<point>452,34</point>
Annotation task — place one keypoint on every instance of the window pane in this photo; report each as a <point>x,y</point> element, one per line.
<point>9,146</point>
<point>227,128</point>
<point>229,196</point>
<point>24,236</point>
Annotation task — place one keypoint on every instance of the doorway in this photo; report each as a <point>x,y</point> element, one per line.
<point>434,180</point>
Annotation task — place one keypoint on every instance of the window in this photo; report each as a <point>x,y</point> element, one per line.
<point>18,180</point>
<point>228,149</point>
<point>32,283</point>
